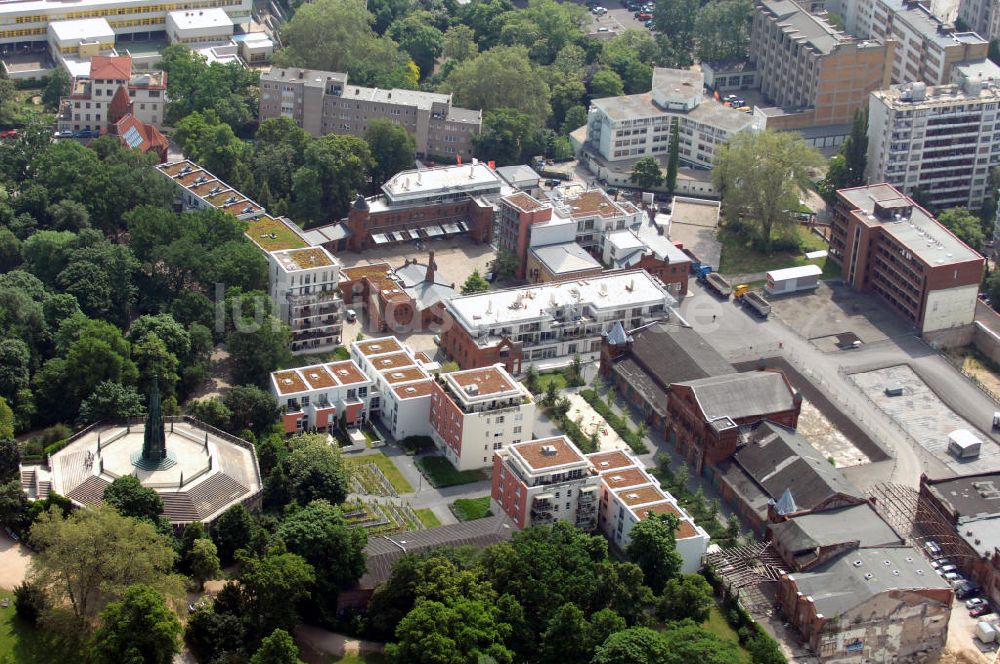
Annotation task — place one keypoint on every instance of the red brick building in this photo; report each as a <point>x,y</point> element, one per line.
<point>704,416</point>
<point>887,244</point>
<point>517,213</point>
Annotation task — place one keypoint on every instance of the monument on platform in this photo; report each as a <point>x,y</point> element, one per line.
<point>154,438</point>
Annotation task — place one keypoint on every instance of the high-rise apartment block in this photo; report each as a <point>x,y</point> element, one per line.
<point>807,65</point>
<point>886,243</point>
<point>477,412</point>
<point>322,102</point>
<point>944,140</point>
<point>926,47</point>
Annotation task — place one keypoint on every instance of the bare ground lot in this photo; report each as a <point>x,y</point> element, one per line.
<point>456,258</point>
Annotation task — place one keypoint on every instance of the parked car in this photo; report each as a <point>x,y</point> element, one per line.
<point>950,576</point>
<point>932,548</point>
<point>649,24</point>
<point>937,563</point>
<point>980,610</point>
<point>944,569</point>
<point>643,16</point>
<point>975,601</point>
<point>63,133</point>
<point>967,590</point>
<point>10,133</point>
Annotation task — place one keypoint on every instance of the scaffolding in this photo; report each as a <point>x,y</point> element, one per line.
<point>749,574</point>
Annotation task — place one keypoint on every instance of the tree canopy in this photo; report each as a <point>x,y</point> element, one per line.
<point>138,628</point>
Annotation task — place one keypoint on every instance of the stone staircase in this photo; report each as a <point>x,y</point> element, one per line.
<point>88,492</point>
<point>28,482</point>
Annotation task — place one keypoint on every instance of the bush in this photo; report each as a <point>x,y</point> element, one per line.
<point>417,444</point>
<point>616,422</point>
<point>30,602</point>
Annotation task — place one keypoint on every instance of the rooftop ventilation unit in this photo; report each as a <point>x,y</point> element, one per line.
<point>549,450</point>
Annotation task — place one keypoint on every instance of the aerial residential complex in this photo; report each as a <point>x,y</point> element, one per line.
<point>476,412</point>
<point>321,396</point>
<point>814,74</point>
<point>886,243</point>
<point>938,138</point>
<point>322,102</point>
<point>402,382</point>
<point>632,126</point>
<point>556,319</point>
<point>541,481</point>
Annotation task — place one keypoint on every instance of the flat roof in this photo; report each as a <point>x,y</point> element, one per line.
<point>795,272</point>
<point>606,461</point>
<point>602,292</point>
<point>83,28</point>
<point>274,234</point>
<point>546,453</point>
<point>293,260</point>
<point>380,346</point>
<point>210,17</point>
<point>804,27</point>
<point>970,496</point>
<point>709,111</point>
<point>923,21</point>
<point>347,372</point>
<point>565,258</point>
<point>626,477</point>
<point>525,202</point>
<point>450,180</point>
<point>403,374</point>
<point>685,528</point>
<point>922,234</point>
<point>487,381</point>
<point>944,97</point>
<point>518,173</point>
<point>393,361</point>
<point>414,390</point>
<point>634,496</point>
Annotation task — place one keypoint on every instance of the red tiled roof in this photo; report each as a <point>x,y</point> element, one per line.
<point>152,139</point>
<point>120,105</point>
<point>114,68</point>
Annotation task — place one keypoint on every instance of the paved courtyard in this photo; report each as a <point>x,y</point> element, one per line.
<point>456,258</point>
<point>14,561</point>
<point>925,417</point>
<point>589,421</point>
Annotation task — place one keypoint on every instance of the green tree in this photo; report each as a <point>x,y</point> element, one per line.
<point>320,534</point>
<point>847,167</point>
<point>475,284</point>
<point>416,34</point>
<point>764,649</point>
<point>278,648</point>
<point>56,87</point>
<point>502,77</point>
<point>638,645</point>
<point>211,411</point>
<point>964,224</point>
<point>460,631</point>
<point>10,459</point>
<point>111,401</point>
<point>459,43</point>
<point>676,22</point>
<point>531,379</point>
<point>139,628</point>
<point>129,498</point>
<point>393,149</point>
<point>336,35</point>
<point>6,420</point>
<point>195,85</point>
<point>653,547</point>
<point>506,137</point>
<point>234,530</point>
<point>576,117</point>
<point>567,637</point>
<point>203,561</point>
<point>10,250</point>
<point>688,596</point>
<point>316,471</point>
<point>673,161</point>
<point>646,174</point>
<point>335,168</point>
<point>250,408</point>
<point>90,557</point>
<point>8,100</point>
<point>258,349</point>
<point>205,138</point>
<point>272,585</point>
<point>723,30</point>
<point>606,83</point>
<point>761,175</point>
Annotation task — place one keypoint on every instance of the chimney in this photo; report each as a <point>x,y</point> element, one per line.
<point>431,267</point>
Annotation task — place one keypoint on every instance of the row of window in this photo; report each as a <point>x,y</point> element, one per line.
<point>121,11</point>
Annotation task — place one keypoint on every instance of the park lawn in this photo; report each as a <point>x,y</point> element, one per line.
<point>740,257</point>
<point>26,109</point>
<point>388,468</point>
<point>557,377</point>
<point>717,624</point>
<point>440,473</point>
<point>470,509</point>
<point>428,517</point>
<point>20,643</point>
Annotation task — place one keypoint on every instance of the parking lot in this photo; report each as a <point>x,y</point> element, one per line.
<point>617,20</point>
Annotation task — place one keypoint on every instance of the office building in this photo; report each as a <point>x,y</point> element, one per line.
<point>402,381</point>
<point>631,126</point>
<point>538,482</point>
<point>419,205</point>
<point>548,321</point>
<point>926,47</point>
<point>885,243</point>
<point>320,397</point>
<point>110,92</point>
<point>939,139</point>
<point>477,412</point>
<point>322,102</point>
<point>814,74</point>
<point>630,494</point>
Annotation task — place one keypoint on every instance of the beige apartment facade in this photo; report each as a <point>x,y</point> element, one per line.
<point>322,102</point>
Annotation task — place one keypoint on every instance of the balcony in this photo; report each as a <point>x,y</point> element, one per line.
<point>313,310</point>
<point>308,298</point>
<point>331,322</point>
<point>306,335</point>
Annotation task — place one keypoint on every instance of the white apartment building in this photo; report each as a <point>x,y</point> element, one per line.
<point>538,482</point>
<point>631,126</point>
<point>926,48</point>
<point>403,382</point>
<point>943,139</point>
<point>109,91</point>
<point>25,24</point>
<point>320,396</point>
<point>477,412</point>
<point>550,320</point>
<point>982,16</point>
<point>630,494</point>
<point>200,190</point>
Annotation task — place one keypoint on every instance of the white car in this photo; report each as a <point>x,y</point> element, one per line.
<point>974,602</point>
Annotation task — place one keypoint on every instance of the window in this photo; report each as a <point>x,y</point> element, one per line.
<point>500,419</point>
<point>517,429</point>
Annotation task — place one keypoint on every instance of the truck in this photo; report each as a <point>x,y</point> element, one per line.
<point>756,304</point>
<point>716,283</point>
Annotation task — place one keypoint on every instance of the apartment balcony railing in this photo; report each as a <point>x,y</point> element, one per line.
<point>309,324</point>
<point>315,296</point>
<point>306,335</point>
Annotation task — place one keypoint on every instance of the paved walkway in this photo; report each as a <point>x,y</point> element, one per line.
<point>14,561</point>
<point>331,643</point>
